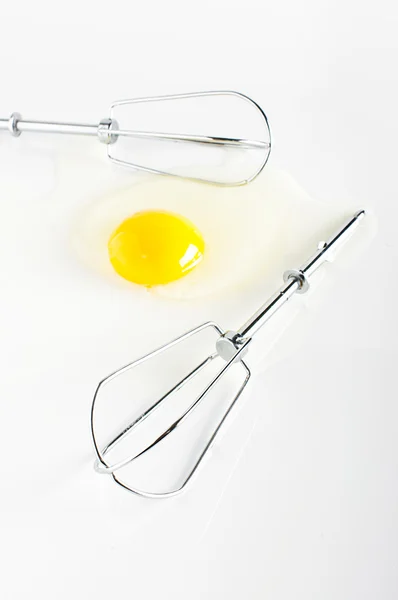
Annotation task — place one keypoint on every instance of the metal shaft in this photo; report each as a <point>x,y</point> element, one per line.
<point>105,130</point>
<point>47,127</point>
<point>296,280</point>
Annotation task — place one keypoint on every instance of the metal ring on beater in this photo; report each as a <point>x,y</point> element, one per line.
<point>298,276</point>
<point>13,124</point>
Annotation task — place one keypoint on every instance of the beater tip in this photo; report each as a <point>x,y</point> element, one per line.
<point>360,214</point>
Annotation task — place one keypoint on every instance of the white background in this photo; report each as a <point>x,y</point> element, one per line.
<point>309,509</point>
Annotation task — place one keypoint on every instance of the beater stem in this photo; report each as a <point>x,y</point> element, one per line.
<point>296,280</point>
<point>51,127</point>
<point>268,309</point>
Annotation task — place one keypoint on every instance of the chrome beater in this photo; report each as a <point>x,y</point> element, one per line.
<point>227,132</point>
<point>231,347</point>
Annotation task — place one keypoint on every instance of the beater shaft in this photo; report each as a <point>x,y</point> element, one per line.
<point>296,280</point>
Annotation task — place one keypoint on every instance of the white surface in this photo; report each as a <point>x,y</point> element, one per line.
<point>300,501</point>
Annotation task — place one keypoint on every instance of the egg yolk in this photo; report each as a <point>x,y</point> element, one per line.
<point>155,247</point>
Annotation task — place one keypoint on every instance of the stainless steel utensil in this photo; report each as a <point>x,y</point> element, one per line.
<point>219,136</point>
<point>230,348</point>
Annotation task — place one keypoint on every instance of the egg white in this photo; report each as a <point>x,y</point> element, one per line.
<point>244,228</point>
<point>247,230</point>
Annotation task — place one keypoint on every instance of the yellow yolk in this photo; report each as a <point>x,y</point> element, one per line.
<point>155,247</point>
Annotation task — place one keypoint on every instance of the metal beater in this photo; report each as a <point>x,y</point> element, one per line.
<point>231,347</point>
<point>227,133</point>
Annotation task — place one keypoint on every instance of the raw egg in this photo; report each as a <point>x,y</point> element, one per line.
<point>155,247</point>
<point>184,240</point>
